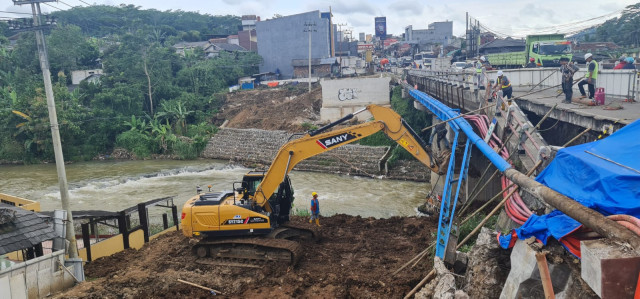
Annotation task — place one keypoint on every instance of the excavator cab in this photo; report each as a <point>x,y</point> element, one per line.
<point>281,200</point>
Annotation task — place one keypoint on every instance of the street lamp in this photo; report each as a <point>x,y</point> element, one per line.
<point>309,27</point>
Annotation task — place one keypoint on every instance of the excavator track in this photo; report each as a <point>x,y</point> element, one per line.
<point>297,231</point>
<point>247,252</point>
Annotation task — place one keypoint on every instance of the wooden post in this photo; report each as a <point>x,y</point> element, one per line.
<point>165,221</point>
<point>174,211</point>
<point>123,228</point>
<point>144,224</point>
<point>86,240</point>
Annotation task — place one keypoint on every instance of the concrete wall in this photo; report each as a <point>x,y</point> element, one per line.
<point>257,148</point>
<point>283,39</point>
<point>78,76</point>
<point>344,96</point>
<point>36,278</point>
<point>437,32</point>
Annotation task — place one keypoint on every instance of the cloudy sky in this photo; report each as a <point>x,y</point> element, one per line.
<point>514,17</point>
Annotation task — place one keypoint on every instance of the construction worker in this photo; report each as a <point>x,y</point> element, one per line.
<point>590,78</point>
<point>504,84</point>
<point>480,69</point>
<point>315,209</point>
<point>532,63</point>
<point>567,69</point>
<point>629,65</point>
<point>440,130</point>
<point>622,61</point>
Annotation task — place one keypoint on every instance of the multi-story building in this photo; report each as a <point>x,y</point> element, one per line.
<point>436,33</point>
<point>249,22</point>
<point>284,39</point>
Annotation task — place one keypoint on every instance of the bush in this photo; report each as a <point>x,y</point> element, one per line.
<point>136,142</point>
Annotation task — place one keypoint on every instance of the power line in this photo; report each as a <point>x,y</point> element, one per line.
<point>65,3</point>
<point>17,13</point>
<point>47,4</point>
<point>85,2</point>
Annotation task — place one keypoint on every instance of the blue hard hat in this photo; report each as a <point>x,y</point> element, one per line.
<point>629,60</point>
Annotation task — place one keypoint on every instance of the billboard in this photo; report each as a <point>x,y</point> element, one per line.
<point>381,27</point>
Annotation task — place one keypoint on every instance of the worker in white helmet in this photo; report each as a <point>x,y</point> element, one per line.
<point>480,70</point>
<point>503,83</point>
<point>590,77</point>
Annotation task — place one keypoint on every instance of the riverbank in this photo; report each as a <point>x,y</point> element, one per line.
<point>365,250</point>
<point>257,148</point>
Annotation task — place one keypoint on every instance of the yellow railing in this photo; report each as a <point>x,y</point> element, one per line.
<point>26,204</point>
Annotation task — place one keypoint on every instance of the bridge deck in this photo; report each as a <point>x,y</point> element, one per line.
<point>547,98</point>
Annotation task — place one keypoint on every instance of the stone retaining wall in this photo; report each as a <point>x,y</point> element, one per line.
<point>254,147</point>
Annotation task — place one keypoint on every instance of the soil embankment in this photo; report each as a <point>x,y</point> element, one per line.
<point>355,258</point>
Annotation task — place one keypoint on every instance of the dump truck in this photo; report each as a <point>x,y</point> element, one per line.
<point>545,49</point>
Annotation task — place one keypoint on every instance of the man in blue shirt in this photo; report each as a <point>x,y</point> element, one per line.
<point>315,209</point>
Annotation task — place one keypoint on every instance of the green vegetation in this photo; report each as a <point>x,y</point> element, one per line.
<point>415,118</point>
<point>466,229</point>
<point>149,100</point>
<point>622,30</point>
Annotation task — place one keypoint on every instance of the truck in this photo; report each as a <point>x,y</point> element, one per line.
<point>545,49</point>
<point>250,222</point>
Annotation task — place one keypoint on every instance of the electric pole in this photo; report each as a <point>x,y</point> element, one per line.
<point>310,27</point>
<point>37,26</point>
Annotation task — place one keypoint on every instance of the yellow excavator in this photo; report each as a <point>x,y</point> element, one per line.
<point>250,222</point>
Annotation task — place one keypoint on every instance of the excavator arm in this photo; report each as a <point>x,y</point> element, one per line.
<point>319,141</point>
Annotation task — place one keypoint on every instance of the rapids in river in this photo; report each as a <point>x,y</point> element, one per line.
<point>116,185</point>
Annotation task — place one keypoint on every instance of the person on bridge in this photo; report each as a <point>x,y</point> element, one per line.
<point>629,65</point>
<point>567,69</point>
<point>504,83</point>
<point>532,63</point>
<point>590,78</point>
<point>439,130</point>
<point>315,209</point>
<point>480,70</point>
<point>622,62</point>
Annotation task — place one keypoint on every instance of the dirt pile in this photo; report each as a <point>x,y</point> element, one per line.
<point>355,258</point>
<point>285,108</point>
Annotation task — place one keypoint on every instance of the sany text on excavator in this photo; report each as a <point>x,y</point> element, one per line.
<point>229,221</point>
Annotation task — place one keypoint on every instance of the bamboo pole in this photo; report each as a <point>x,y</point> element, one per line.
<point>202,287</point>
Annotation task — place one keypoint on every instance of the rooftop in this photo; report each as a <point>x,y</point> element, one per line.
<point>20,229</point>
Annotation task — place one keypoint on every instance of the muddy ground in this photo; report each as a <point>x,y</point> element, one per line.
<point>284,108</point>
<point>354,259</point>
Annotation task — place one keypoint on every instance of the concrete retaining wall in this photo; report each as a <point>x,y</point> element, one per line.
<point>255,148</point>
<point>344,96</point>
<point>36,278</point>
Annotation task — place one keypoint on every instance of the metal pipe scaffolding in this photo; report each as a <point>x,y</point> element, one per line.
<point>588,217</point>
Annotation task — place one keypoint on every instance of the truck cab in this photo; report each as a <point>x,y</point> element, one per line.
<point>546,50</point>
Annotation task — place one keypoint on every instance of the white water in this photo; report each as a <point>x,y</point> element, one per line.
<point>114,186</point>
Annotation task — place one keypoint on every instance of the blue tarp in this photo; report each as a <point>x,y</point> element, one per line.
<point>583,173</point>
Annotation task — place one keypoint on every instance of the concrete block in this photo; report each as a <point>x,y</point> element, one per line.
<point>5,287</point>
<point>57,281</point>
<point>32,284</point>
<point>44,282</point>
<point>523,265</point>
<point>18,287</point>
<point>610,270</point>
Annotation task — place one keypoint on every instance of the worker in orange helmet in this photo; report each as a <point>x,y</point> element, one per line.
<point>315,209</point>
<point>532,63</point>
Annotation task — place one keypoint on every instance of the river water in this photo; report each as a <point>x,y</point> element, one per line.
<point>116,185</point>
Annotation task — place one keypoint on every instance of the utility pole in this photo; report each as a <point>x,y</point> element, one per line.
<point>53,118</point>
<point>310,27</point>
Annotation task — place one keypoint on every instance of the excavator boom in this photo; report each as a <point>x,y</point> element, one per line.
<point>319,141</point>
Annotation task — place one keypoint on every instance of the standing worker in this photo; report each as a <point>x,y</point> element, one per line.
<point>567,69</point>
<point>440,130</point>
<point>480,69</point>
<point>590,78</point>
<point>504,83</point>
<point>315,209</point>
<point>532,63</point>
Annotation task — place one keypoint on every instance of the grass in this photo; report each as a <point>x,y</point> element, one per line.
<point>301,212</point>
<point>466,229</point>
